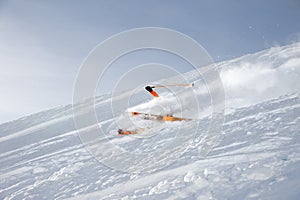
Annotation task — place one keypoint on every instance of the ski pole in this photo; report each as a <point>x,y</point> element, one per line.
<point>173,85</point>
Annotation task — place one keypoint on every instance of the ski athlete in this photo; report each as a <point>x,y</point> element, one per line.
<point>152,92</point>
<point>148,116</point>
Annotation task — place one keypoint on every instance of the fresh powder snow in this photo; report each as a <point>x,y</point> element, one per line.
<point>257,155</point>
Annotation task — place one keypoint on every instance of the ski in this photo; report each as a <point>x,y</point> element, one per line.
<point>122,132</point>
<point>159,117</point>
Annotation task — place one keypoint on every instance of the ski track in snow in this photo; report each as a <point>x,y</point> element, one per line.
<point>257,157</point>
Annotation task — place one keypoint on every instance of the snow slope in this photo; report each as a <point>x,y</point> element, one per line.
<point>257,157</point>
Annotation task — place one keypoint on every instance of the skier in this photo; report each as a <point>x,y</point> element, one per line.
<point>148,116</point>
<point>149,89</point>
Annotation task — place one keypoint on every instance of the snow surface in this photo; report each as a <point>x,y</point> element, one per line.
<point>257,157</point>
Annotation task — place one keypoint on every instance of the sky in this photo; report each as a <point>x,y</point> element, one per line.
<point>43,43</point>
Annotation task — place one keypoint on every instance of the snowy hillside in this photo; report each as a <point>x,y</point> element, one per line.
<point>257,157</point>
